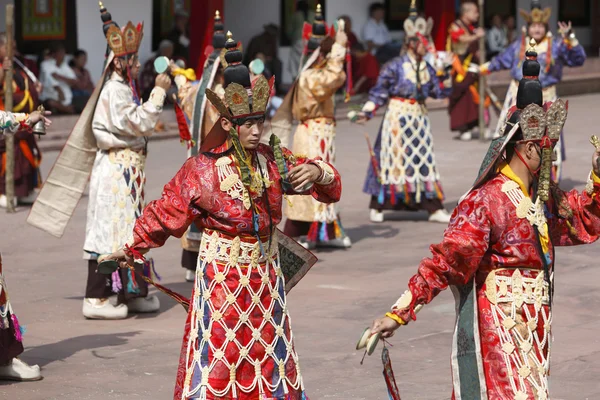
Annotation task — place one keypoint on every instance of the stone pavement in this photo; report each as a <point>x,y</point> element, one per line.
<point>137,358</point>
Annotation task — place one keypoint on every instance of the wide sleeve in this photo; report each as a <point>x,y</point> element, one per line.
<point>570,52</point>
<point>441,84</point>
<point>327,189</point>
<point>380,93</point>
<point>504,60</point>
<point>117,113</point>
<point>173,213</point>
<point>454,261</point>
<point>584,226</point>
<point>12,122</point>
<point>324,82</point>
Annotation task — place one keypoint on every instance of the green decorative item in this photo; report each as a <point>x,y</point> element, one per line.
<point>107,267</point>
<point>161,65</point>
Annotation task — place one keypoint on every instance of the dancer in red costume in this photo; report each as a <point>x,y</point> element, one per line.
<point>238,342</point>
<point>498,255</point>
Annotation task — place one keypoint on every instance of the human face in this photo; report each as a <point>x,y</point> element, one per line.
<point>2,51</point>
<point>537,30</point>
<point>471,13</point>
<point>378,14</point>
<point>421,50</point>
<point>510,22</point>
<point>134,66</point>
<point>167,51</point>
<point>497,21</point>
<point>251,132</point>
<point>59,56</point>
<point>81,61</point>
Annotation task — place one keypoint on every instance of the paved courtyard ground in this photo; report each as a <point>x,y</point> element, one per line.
<point>137,358</point>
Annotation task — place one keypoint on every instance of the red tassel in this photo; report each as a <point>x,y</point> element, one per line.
<point>349,78</point>
<point>393,194</point>
<point>134,253</point>
<point>184,131</point>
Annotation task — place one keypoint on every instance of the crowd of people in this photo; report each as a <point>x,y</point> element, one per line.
<point>226,201</point>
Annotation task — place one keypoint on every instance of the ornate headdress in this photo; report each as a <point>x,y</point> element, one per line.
<point>243,99</point>
<point>537,15</point>
<point>314,34</point>
<point>218,40</point>
<point>122,42</point>
<point>415,26</point>
<point>537,122</point>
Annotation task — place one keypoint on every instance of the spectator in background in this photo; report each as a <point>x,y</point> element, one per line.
<point>166,48</point>
<point>352,39</point>
<point>294,33</point>
<point>180,35</point>
<point>84,86</point>
<point>511,28</point>
<point>496,37</point>
<point>375,33</point>
<point>266,45</point>
<point>57,80</point>
<point>365,69</point>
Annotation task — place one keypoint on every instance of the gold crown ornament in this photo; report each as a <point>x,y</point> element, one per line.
<point>537,14</point>
<point>127,41</point>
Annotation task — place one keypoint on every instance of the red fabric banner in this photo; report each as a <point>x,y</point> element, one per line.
<point>201,30</point>
<point>443,13</point>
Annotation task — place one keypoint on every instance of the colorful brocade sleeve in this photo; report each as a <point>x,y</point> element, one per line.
<point>504,60</point>
<point>584,226</point>
<point>380,93</point>
<point>441,85</point>
<point>324,82</point>
<point>328,189</point>
<point>570,55</point>
<point>173,213</point>
<point>454,261</point>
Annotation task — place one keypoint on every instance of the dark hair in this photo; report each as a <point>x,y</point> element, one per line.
<point>79,52</point>
<point>55,47</point>
<point>375,7</point>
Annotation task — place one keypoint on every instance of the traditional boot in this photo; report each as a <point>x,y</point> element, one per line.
<point>17,370</point>
<point>103,309</point>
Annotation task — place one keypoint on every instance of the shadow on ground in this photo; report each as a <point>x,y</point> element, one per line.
<point>62,350</point>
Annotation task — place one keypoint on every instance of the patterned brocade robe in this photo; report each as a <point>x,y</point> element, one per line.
<point>116,197</point>
<point>313,107</point>
<point>238,343</point>
<point>491,257</point>
<point>406,168</point>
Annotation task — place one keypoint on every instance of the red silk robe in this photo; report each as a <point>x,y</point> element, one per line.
<point>238,342</point>
<point>491,257</point>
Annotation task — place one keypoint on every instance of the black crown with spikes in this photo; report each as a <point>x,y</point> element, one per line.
<point>530,88</point>
<point>319,30</point>
<point>219,32</point>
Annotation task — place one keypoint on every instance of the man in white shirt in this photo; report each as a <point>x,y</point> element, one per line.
<point>57,79</point>
<point>375,32</point>
<point>496,37</point>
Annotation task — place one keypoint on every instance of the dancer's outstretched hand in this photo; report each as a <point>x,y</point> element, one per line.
<point>119,256</point>
<point>386,326</point>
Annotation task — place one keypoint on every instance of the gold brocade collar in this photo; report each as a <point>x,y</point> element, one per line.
<point>507,171</point>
